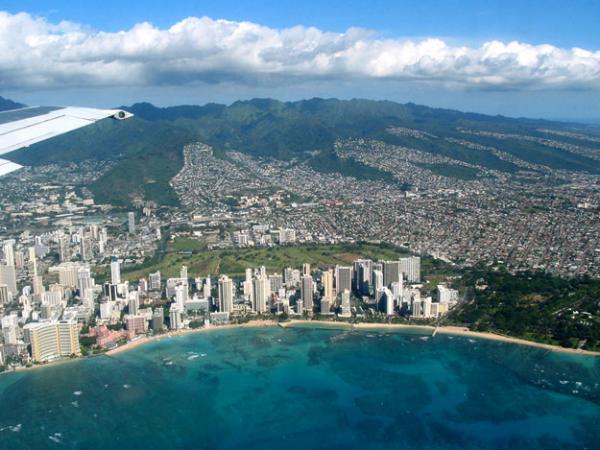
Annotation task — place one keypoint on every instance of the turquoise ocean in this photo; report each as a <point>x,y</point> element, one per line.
<point>307,388</point>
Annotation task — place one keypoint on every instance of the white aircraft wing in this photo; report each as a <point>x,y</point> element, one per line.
<point>23,127</point>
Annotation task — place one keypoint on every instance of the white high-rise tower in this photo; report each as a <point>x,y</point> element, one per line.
<point>115,270</point>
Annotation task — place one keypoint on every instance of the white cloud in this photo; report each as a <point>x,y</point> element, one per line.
<point>35,53</point>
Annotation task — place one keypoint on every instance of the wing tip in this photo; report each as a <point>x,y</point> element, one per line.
<point>7,167</point>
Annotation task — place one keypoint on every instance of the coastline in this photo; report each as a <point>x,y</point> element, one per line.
<point>446,330</point>
<point>130,345</point>
<point>461,331</point>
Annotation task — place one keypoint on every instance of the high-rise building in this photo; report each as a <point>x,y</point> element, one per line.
<point>346,312</point>
<point>181,295</point>
<point>411,267</point>
<point>306,269</point>
<point>363,270</point>
<point>52,298</point>
<point>86,248</point>
<point>306,292</point>
<point>276,281</point>
<point>291,277</point>
<point>421,308</point>
<point>207,288</point>
<point>398,288</point>
<point>68,274</point>
<point>175,317</point>
<point>115,270</point>
<point>439,309</point>
<point>225,294</point>
<point>391,272</point>
<point>133,303</point>
<point>32,262</point>
<point>158,320</point>
<point>447,295</point>
<point>247,286</point>
<point>52,339</point>
<point>103,236</point>
<point>94,231</point>
<point>325,306</point>
<point>388,301</point>
<point>63,249</point>
<point>5,295</point>
<point>8,277</point>
<point>85,281</point>
<point>131,222</point>
<point>10,325</point>
<point>416,309</point>
<point>343,278</point>
<point>154,281</point>
<point>106,309</point>
<point>262,294</point>
<point>377,280</point>
<point>9,252</point>
<point>427,307</point>
<point>327,282</point>
<point>143,285</point>
<point>136,324</point>
<point>19,259</point>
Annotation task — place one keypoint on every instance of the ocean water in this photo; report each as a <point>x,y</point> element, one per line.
<point>302,388</point>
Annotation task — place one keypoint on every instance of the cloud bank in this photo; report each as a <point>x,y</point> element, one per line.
<point>38,54</point>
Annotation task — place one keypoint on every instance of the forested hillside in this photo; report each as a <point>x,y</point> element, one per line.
<point>148,147</point>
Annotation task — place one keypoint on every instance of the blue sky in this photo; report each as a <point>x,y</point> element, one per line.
<point>550,86</point>
<point>564,23</point>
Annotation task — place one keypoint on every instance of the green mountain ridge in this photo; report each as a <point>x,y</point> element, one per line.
<point>148,147</point>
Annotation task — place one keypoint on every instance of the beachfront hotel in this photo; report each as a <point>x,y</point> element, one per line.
<point>52,339</point>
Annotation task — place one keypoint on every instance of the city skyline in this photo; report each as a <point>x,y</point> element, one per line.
<point>305,225</point>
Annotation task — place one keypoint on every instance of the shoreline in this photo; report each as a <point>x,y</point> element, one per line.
<point>130,345</point>
<point>446,330</point>
<point>462,331</point>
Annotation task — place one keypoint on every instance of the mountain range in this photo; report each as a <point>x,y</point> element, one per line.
<point>147,149</point>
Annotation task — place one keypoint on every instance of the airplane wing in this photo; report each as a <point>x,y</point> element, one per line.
<point>26,126</point>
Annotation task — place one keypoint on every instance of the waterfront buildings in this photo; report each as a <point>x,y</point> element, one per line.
<point>225,294</point>
<point>306,292</point>
<point>52,339</point>
<point>327,282</point>
<point>411,267</point>
<point>447,295</point>
<point>343,278</point>
<point>262,293</point>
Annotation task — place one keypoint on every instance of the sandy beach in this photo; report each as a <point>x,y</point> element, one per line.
<point>356,326</point>
<point>58,362</point>
<point>460,331</point>
<point>448,330</point>
<point>130,345</point>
